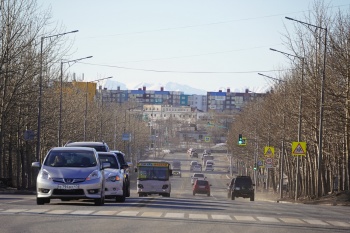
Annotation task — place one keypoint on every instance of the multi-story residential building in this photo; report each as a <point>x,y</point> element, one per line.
<point>220,101</point>
<point>230,101</point>
<point>199,102</point>
<point>164,112</point>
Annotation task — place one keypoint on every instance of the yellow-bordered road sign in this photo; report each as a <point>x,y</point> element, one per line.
<point>299,148</point>
<point>269,151</point>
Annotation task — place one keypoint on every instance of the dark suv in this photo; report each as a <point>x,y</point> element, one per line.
<point>241,186</point>
<point>98,146</point>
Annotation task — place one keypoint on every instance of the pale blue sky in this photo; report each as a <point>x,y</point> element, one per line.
<point>180,36</point>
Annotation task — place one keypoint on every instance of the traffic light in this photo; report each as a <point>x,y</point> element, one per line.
<point>240,139</point>
<point>255,166</point>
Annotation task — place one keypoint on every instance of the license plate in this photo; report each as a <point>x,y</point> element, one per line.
<point>201,187</point>
<point>68,186</point>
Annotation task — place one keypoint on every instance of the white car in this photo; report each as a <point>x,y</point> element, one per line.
<point>209,167</point>
<point>71,173</point>
<point>197,168</point>
<point>116,187</point>
<point>197,176</point>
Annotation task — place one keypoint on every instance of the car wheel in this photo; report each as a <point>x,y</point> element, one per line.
<point>252,198</point>
<point>232,196</point>
<point>141,195</point>
<point>40,201</point>
<point>194,193</point>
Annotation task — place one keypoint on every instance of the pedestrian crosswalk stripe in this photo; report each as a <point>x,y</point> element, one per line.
<point>59,211</point>
<point>291,220</point>
<point>316,222</point>
<point>268,219</point>
<point>105,213</point>
<point>152,214</point>
<point>221,217</point>
<point>15,210</point>
<point>174,215</point>
<point>128,213</point>
<point>339,224</point>
<point>82,212</point>
<point>198,216</point>
<point>37,211</point>
<point>244,218</point>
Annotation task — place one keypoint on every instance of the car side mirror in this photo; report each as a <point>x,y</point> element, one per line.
<point>253,184</point>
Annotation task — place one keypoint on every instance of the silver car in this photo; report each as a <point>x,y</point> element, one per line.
<point>115,183</point>
<point>71,173</point>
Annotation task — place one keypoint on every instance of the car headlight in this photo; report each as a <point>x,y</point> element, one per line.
<point>113,178</point>
<point>237,188</point>
<point>94,175</point>
<point>45,175</point>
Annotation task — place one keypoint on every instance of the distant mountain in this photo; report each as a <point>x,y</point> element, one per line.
<point>110,84</point>
<point>170,86</point>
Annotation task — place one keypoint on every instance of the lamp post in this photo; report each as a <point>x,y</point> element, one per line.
<point>38,134</point>
<point>86,103</point>
<point>283,138</point>
<point>300,119</point>
<point>61,88</point>
<point>320,134</point>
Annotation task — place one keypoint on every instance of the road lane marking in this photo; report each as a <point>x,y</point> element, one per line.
<point>59,212</point>
<point>221,217</point>
<point>128,213</point>
<point>198,216</point>
<point>316,222</point>
<point>152,214</point>
<point>37,211</point>
<point>14,210</point>
<point>244,218</point>
<point>339,224</point>
<point>105,212</point>
<point>268,219</point>
<point>82,212</point>
<point>291,220</point>
<point>174,215</point>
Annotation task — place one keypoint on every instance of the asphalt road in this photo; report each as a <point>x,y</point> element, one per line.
<point>182,212</point>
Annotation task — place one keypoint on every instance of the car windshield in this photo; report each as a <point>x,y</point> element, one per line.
<point>198,175</point>
<point>71,158</point>
<point>153,173</point>
<point>243,182</point>
<point>110,159</point>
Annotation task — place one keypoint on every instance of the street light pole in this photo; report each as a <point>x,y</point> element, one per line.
<point>300,119</point>
<point>320,134</point>
<point>61,96</point>
<point>38,133</point>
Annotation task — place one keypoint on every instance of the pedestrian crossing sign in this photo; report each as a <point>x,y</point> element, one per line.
<point>299,148</point>
<point>269,151</point>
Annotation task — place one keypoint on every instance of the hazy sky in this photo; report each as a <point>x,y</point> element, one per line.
<point>206,44</point>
